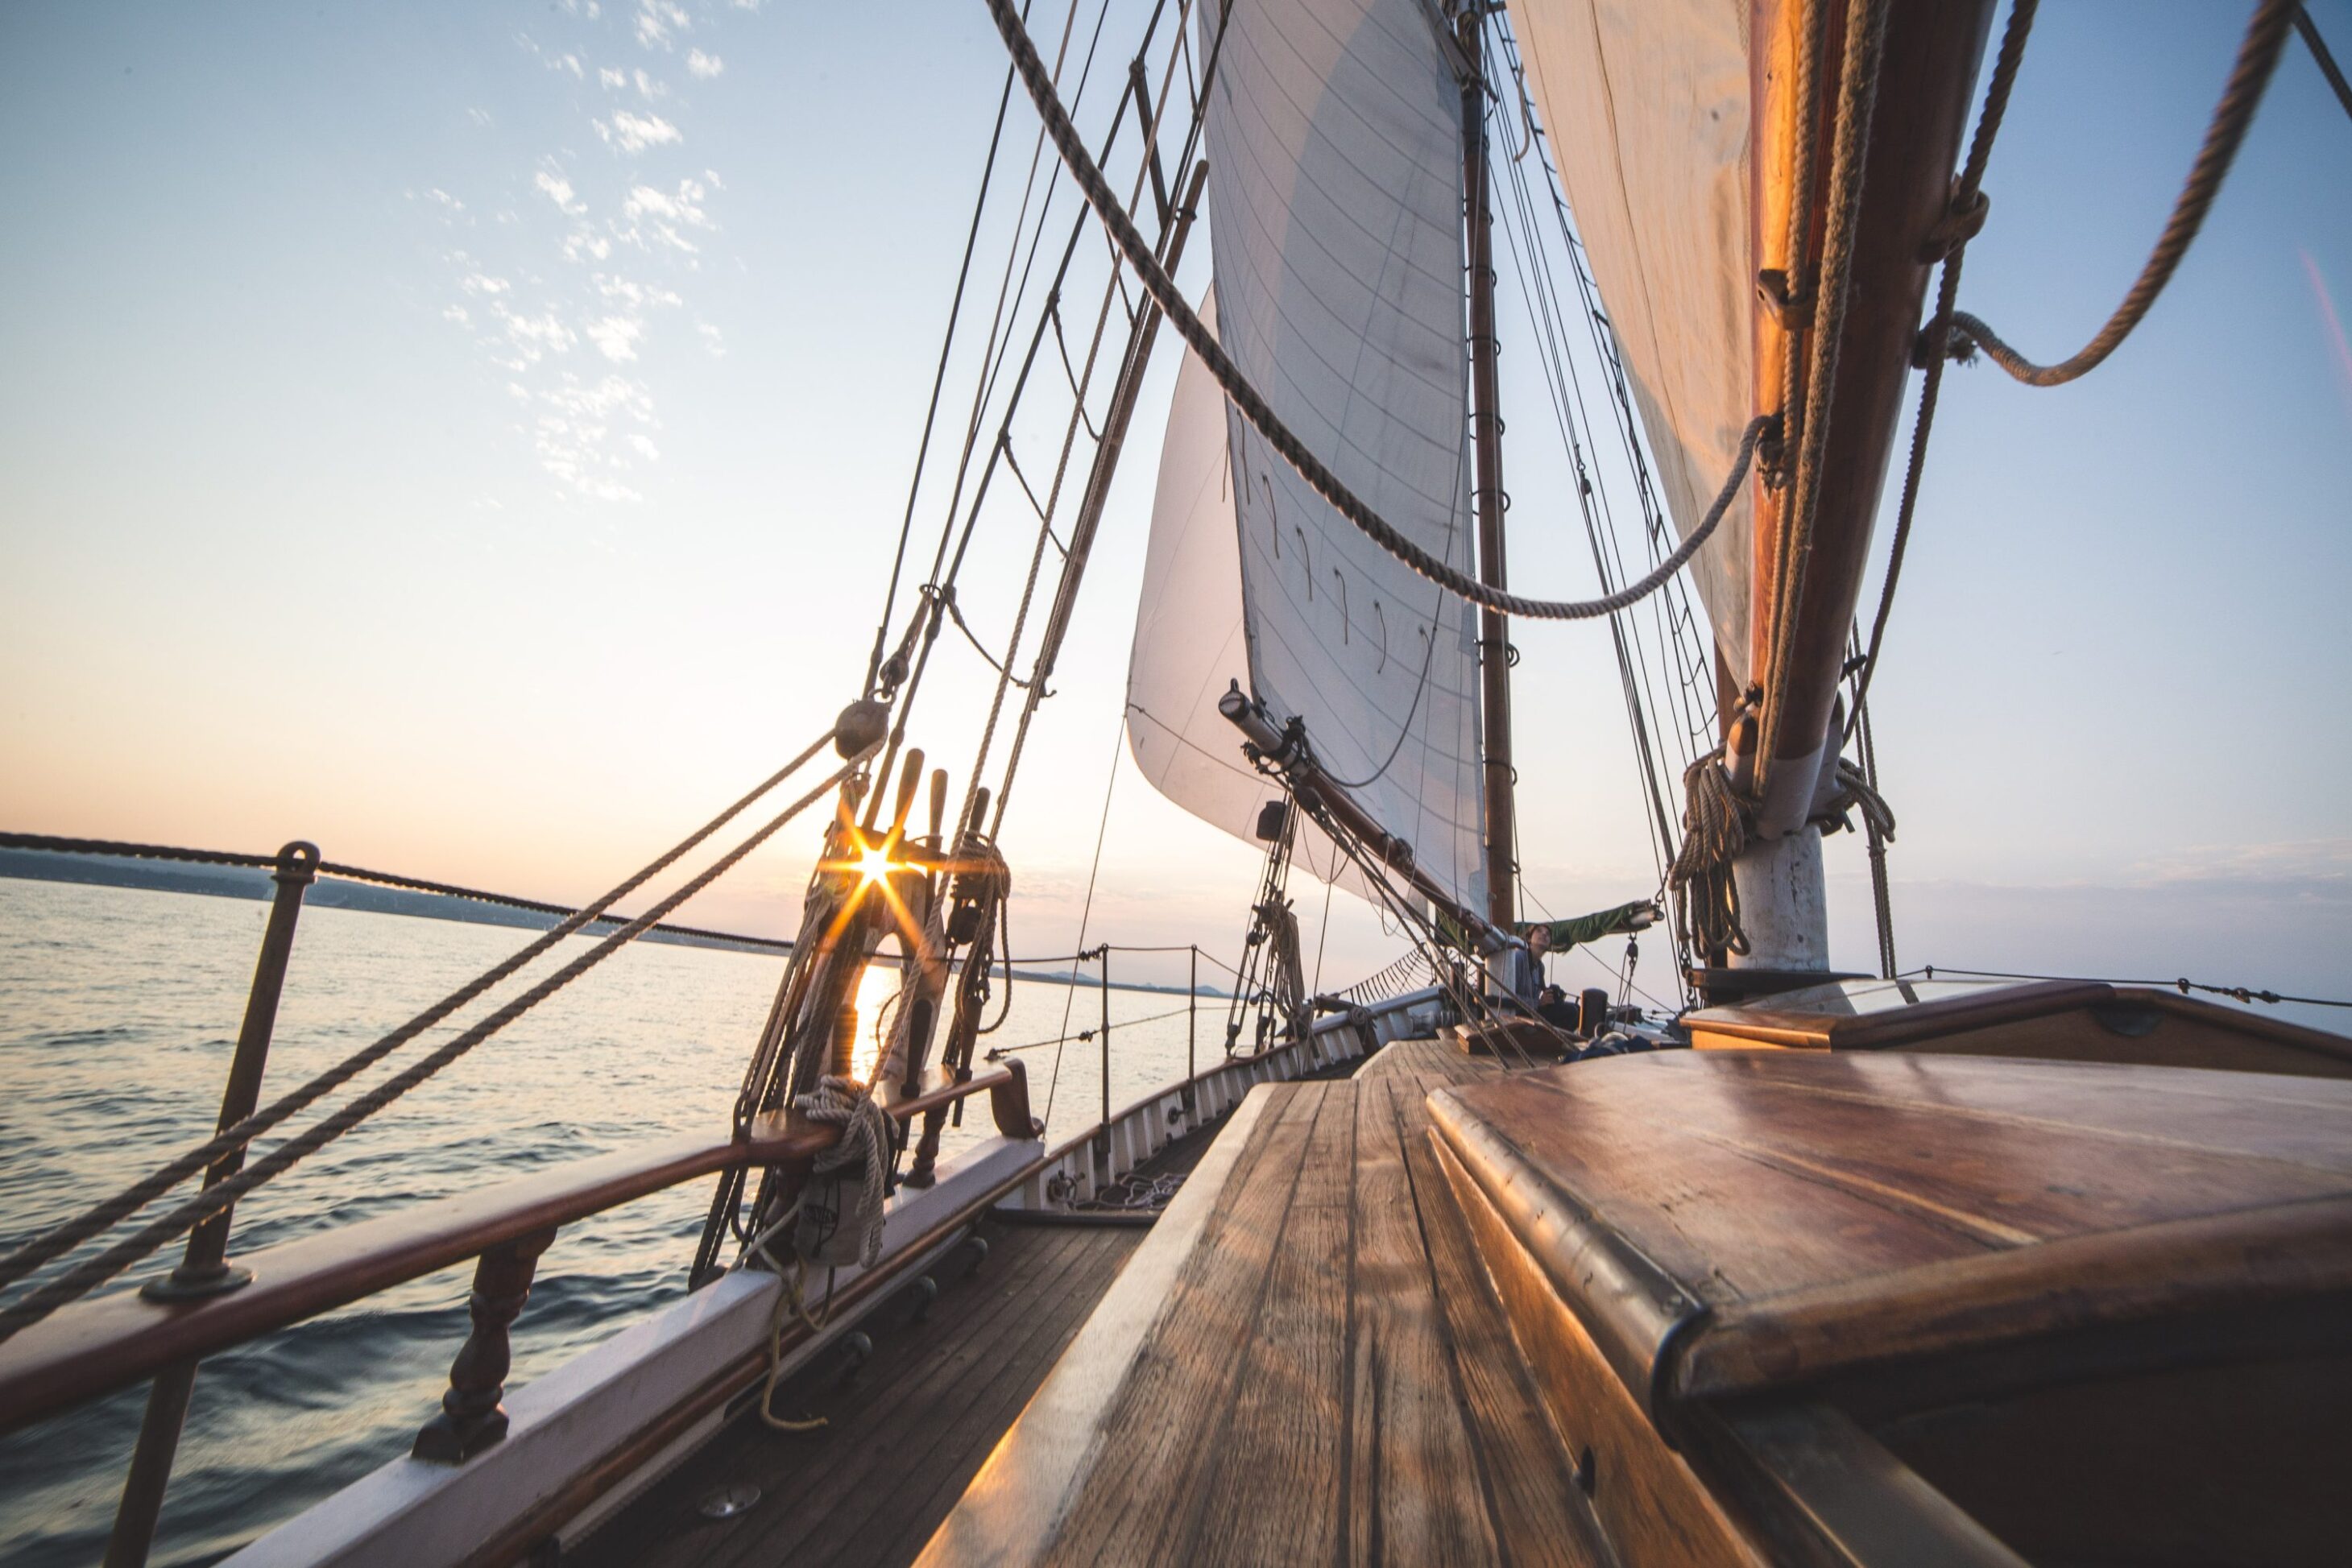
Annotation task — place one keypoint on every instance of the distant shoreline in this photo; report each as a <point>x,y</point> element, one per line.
<point>253,884</point>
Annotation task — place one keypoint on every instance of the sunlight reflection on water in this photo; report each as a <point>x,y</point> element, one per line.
<point>117,1013</point>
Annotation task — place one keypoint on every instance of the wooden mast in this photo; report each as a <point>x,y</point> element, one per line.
<point>1924,84</point>
<point>1486,430</point>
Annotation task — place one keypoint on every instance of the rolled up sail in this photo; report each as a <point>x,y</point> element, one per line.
<point>1646,107</point>
<point>1335,192</point>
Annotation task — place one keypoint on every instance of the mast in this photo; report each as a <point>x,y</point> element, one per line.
<point>1804,596</point>
<point>1486,430</point>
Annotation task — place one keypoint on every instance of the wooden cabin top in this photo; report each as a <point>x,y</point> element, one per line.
<point>1730,1221</point>
<point>2076,1020</point>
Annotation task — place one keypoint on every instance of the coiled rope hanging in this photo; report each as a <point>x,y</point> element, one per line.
<point>1267,424</point>
<point>2265,41</point>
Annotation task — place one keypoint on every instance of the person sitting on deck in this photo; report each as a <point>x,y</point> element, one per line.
<point>1521,965</point>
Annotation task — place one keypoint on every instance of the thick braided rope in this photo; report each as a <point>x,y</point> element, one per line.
<point>1715,829</point>
<point>2266,40</point>
<point>79,1281</point>
<point>1857,103</point>
<point>1261,415</point>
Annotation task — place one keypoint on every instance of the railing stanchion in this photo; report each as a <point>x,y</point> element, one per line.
<point>1102,1132</point>
<point>1192,1032</point>
<point>205,1270</point>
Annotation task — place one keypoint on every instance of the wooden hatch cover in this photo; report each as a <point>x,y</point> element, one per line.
<point>2057,1020</point>
<point>1725,1222</point>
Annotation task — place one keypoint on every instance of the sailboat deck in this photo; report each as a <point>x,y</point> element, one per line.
<point>1304,1362</point>
<point>901,1438</point>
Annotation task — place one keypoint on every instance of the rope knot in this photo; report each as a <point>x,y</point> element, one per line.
<point>1963,219</point>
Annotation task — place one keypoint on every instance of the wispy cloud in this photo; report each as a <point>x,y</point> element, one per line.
<point>636,132</point>
<point>575,308</point>
<point>659,21</point>
<point>617,336</point>
<point>558,191</point>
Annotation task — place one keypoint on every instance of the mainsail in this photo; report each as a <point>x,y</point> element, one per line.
<point>1647,108</point>
<point>1334,143</point>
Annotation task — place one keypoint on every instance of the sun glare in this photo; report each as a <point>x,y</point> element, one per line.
<point>874,863</point>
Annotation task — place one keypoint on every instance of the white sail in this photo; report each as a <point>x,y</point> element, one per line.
<point>1188,642</point>
<point>1335,170</point>
<point>1646,107</point>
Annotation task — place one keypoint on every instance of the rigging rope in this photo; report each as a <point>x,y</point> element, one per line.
<point>2322,58</point>
<point>2258,55</point>
<point>79,1281</point>
<point>2183,985</point>
<point>1964,216</point>
<point>51,844</point>
<point>1269,425</point>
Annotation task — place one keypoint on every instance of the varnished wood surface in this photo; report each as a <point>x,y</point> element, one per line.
<point>1432,1062</point>
<point>1799,1213</point>
<point>904,1435</point>
<point>1328,1376</point>
<point>2052,1020</point>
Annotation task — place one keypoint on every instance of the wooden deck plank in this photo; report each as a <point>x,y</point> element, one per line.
<point>903,1426</point>
<point>1278,1485</point>
<point>1418,1490</point>
<point>893,1504</point>
<point>812,1478</point>
<point>1187,1376</point>
<point>1538,1514</point>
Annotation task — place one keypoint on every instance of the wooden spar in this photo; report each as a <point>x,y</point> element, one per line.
<point>1925,82</point>
<point>1486,434</point>
<point>1314,788</point>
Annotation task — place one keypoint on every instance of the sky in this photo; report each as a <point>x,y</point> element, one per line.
<point>474,437</point>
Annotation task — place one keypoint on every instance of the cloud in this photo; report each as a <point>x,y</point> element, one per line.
<point>482,283</point>
<point>636,296</point>
<point>704,65</point>
<point>586,245</point>
<point>617,336</point>
<point>636,132</point>
<point>711,340</point>
<point>607,76</point>
<point>458,314</point>
<point>643,448</point>
<point>478,116</point>
<point>656,19</point>
<point>558,191</point>
<point>661,216</point>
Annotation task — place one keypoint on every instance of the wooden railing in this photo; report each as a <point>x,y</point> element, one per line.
<point>95,1347</point>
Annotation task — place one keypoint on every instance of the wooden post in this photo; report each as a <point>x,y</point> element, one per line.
<point>1486,433</point>
<point>471,1416</point>
<point>203,1269</point>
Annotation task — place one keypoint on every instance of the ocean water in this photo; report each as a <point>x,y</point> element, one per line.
<point>119,1009</point>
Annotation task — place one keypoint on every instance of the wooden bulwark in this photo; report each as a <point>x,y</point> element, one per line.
<point>1302,1363</point>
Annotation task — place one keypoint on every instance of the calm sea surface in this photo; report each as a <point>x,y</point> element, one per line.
<point>117,1012</point>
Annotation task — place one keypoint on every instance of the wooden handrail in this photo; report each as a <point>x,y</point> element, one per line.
<point>95,1347</point>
